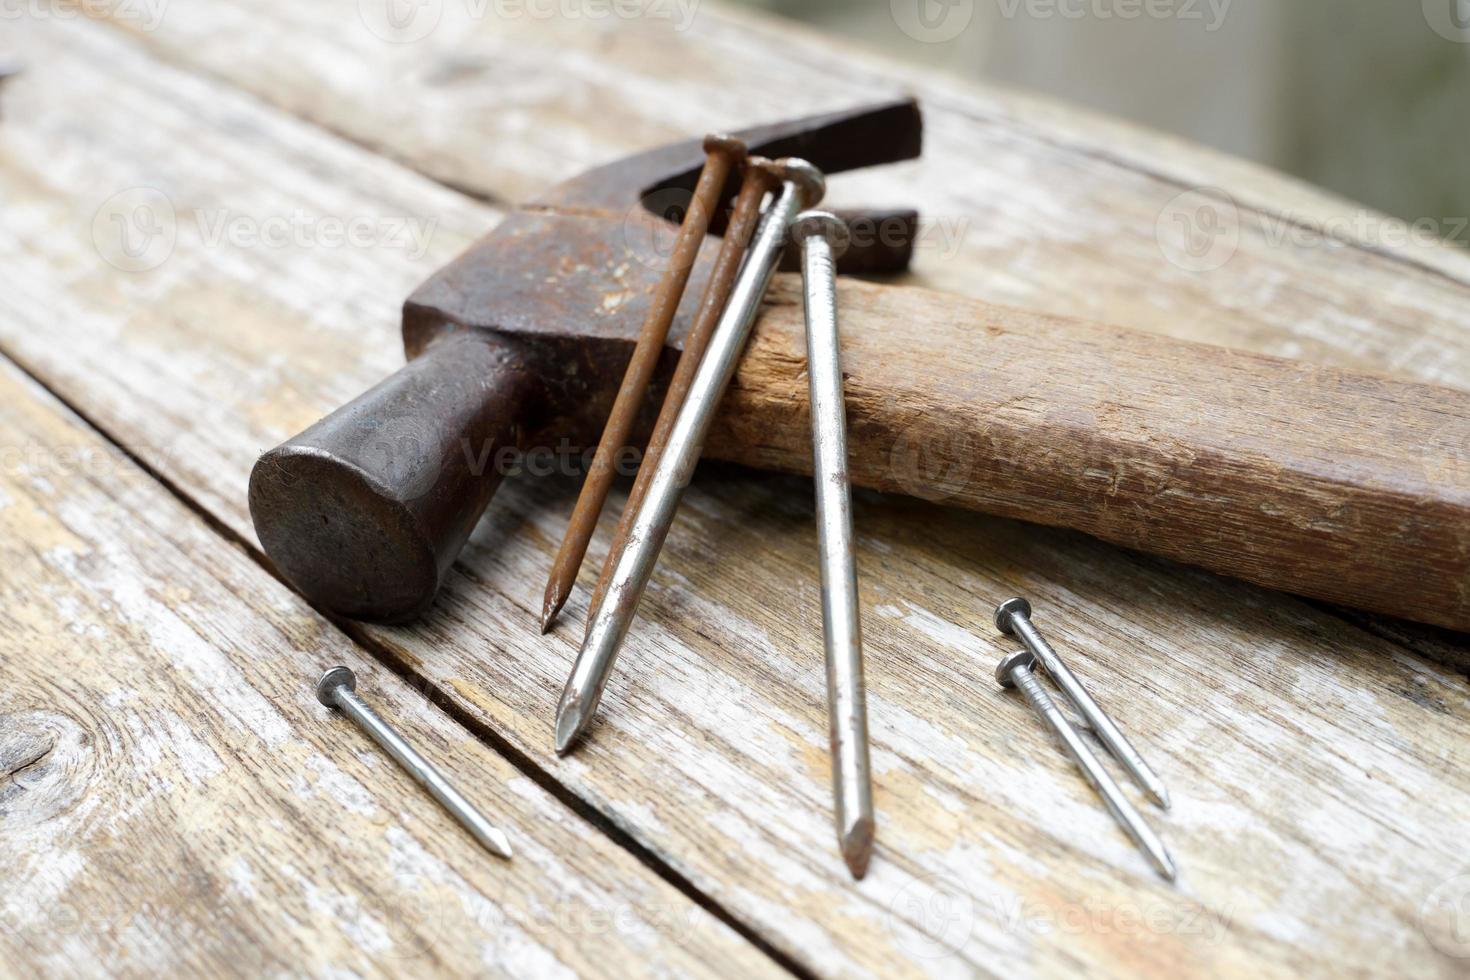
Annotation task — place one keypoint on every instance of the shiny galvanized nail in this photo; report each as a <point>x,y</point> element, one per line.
<point>743,220</point>
<point>338,689</point>
<point>823,236</point>
<point>801,186</point>
<point>1016,671</point>
<point>1013,618</point>
<point>722,153</point>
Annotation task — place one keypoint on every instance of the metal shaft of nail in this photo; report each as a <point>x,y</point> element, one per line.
<point>605,633</point>
<point>722,153</point>
<point>1107,732</point>
<point>743,221</point>
<point>1122,810</point>
<point>841,627</point>
<point>421,769</point>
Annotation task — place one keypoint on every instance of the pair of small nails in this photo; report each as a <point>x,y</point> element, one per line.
<point>1013,618</point>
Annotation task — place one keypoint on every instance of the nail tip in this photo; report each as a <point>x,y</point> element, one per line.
<point>569,724</point>
<point>857,846</point>
<point>550,605</point>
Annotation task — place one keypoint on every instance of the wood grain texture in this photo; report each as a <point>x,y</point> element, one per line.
<point>174,801</point>
<point>1340,485</point>
<point>1026,203</point>
<point>1318,771</point>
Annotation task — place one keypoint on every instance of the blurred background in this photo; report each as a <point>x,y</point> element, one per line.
<point>1366,98</point>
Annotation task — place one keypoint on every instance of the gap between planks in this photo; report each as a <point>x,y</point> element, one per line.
<point>476,727</point>
<point>1449,654</point>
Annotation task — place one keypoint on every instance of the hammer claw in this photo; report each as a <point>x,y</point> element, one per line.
<point>834,142</point>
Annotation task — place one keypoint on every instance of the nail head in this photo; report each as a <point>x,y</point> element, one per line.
<point>331,680</point>
<point>804,175</point>
<point>1021,658</point>
<point>724,144</point>
<point>822,224</point>
<point>1005,610</point>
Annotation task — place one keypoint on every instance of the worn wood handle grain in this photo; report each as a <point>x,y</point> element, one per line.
<point>1348,487</point>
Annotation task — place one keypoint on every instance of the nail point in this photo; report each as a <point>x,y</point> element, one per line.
<point>551,604</point>
<point>857,846</point>
<point>499,844</point>
<point>569,725</point>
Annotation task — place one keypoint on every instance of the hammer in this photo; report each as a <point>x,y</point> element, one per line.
<point>1338,485</point>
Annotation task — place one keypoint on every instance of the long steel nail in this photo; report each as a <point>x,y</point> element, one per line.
<point>822,236</point>
<point>1016,671</point>
<point>1013,618</point>
<point>338,689</point>
<point>801,186</point>
<point>743,219</point>
<point>722,154</point>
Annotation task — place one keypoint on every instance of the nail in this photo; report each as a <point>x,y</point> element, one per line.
<point>823,236</point>
<point>722,153</point>
<point>1013,618</point>
<point>743,219</point>
<point>338,689</point>
<point>801,185</point>
<point>1016,671</point>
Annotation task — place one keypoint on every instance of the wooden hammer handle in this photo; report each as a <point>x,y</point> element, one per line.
<point>1342,486</point>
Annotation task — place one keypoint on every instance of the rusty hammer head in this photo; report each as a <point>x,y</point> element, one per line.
<point>520,340</point>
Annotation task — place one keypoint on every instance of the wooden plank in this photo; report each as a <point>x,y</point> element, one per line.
<point>173,799</point>
<point>1028,203</point>
<point>1318,771</point>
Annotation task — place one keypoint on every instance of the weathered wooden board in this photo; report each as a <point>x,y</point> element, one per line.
<point>174,801</point>
<point>1318,771</point>
<point>1027,203</point>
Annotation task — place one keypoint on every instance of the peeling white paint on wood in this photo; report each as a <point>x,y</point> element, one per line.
<point>972,796</point>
